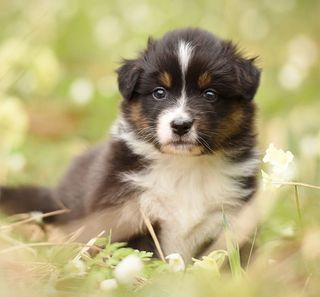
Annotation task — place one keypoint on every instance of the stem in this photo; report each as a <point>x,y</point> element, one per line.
<point>31,219</point>
<point>298,184</point>
<point>153,235</point>
<point>298,204</point>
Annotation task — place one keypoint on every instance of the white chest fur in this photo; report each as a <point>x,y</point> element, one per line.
<point>186,192</point>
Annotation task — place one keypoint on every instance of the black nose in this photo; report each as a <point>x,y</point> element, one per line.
<point>181,126</point>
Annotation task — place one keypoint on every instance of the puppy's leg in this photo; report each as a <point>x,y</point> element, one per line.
<point>122,222</point>
<point>243,224</point>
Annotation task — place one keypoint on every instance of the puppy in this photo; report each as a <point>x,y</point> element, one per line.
<point>182,151</point>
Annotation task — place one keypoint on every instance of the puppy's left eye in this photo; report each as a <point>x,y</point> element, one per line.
<point>159,93</point>
<point>210,94</point>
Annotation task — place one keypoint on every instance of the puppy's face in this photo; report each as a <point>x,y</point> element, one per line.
<point>188,93</point>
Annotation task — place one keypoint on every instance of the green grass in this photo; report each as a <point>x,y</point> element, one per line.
<point>282,263</point>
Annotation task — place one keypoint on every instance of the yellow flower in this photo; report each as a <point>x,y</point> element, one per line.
<point>13,57</point>
<point>46,69</point>
<point>212,262</point>
<point>13,124</point>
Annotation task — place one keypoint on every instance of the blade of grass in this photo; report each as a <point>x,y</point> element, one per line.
<point>153,235</point>
<point>37,244</point>
<point>251,249</point>
<point>232,249</point>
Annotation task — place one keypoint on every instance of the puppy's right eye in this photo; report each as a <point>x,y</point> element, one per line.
<point>210,94</point>
<point>159,93</point>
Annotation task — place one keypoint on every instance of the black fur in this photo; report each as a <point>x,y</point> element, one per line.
<point>25,199</point>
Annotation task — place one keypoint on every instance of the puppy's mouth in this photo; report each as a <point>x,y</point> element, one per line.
<point>180,147</point>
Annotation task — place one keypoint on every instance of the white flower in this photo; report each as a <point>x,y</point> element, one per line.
<point>278,158</point>
<point>291,77</point>
<point>16,162</point>
<point>81,91</point>
<point>288,231</point>
<point>176,262</point>
<point>79,265</point>
<point>128,269</point>
<point>36,216</point>
<point>281,166</point>
<point>109,284</point>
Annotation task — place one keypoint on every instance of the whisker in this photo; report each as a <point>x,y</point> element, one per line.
<point>203,142</point>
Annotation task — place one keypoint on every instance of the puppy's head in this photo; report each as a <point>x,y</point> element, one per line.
<point>188,92</point>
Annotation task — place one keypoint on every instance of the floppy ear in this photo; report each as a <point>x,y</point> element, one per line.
<point>130,71</point>
<point>128,75</point>
<point>248,77</point>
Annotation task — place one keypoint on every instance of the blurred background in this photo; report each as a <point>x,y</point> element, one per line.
<point>58,90</point>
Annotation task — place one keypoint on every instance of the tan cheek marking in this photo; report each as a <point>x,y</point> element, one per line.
<point>232,124</point>
<point>228,127</point>
<point>204,80</point>
<point>136,115</point>
<point>166,79</point>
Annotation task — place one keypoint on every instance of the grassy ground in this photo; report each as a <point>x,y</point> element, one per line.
<point>58,95</point>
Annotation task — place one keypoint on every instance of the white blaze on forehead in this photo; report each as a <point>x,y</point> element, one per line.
<point>178,111</point>
<point>184,55</point>
<point>185,50</point>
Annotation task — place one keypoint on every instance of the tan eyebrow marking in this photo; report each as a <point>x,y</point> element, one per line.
<point>204,80</point>
<point>165,78</point>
